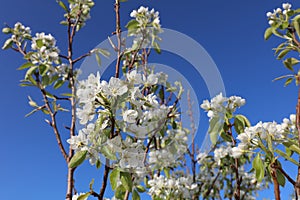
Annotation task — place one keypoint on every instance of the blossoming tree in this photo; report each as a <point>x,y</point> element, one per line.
<point>130,125</point>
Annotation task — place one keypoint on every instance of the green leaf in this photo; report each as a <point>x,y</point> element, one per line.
<point>290,62</point>
<point>132,24</point>
<point>280,178</point>
<point>98,59</point>
<point>135,195</point>
<point>288,151</point>
<point>91,184</point>
<point>45,80</point>
<point>283,53</point>
<point>39,43</point>
<point>7,44</point>
<point>293,147</point>
<point>108,153</point>
<point>279,48</point>
<point>239,125</point>
<point>284,155</point>
<point>126,180</point>
<point>288,81</point>
<point>167,172</point>
<point>67,94</point>
<point>63,6</point>
<point>43,69</point>
<point>98,164</point>
<point>65,23</point>
<point>120,192</point>
<point>104,52</point>
<point>215,127</point>
<point>77,159</point>
<point>58,84</point>
<point>296,24</point>
<point>6,30</point>
<point>26,65</point>
<point>30,71</point>
<point>268,33</point>
<point>225,136</point>
<point>259,168</point>
<point>114,178</point>
<point>140,188</point>
<point>156,47</point>
<point>84,196</point>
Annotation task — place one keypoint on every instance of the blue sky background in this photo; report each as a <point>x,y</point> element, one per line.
<point>230,31</point>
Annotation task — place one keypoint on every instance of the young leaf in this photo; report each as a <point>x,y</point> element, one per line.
<point>294,148</point>
<point>77,159</point>
<point>30,72</point>
<point>268,33</point>
<point>104,52</point>
<point>43,69</point>
<point>215,127</point>
<point>108,153</point>
<point>114,178</point>
<point>126,180</point>
<point>84,196</point>
<point>26,65</point>
<point>296,24</point>
<point>39,43</point>
<point>135,195</point>
<point>239,125</point>
<point>98,59</point>
<point>132,24</point>
<point>6,30</point>
<point>290,62</point>
<point>58,84</point>
<point>282,54</point>
<point>259,168</point>
<point>280,178</point>
<point>120,192</point>
<point>91,184</point>
<point>98,164</point>
<point>156,47</point>
<point>140,188</point>
<point>8,43</point>
<point>63,6</point>
<point>284,155</point>
<point>288,81</point>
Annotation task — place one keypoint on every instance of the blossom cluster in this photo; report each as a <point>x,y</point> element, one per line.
<point>146,26</point>
<point>19,33</point>
<point>79,12</point>
<point>219,105</point>
<point>251,136</point>
<point>214,173</point>
<point>135,113</point>
<point>46,50</point>
<point>144,16</point>
<point>275,15</point>
<point>181,187</point>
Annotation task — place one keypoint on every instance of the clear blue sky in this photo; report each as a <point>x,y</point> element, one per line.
<point>230,31</point>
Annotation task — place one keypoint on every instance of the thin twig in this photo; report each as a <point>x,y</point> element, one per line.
<point>237,193</point>
<point>104,180</point>
<point>53,123</point>
<point>118,32</point>
<point>275,181</point>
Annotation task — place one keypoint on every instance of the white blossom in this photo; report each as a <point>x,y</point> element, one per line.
<point>286,6</point>
<point>130,116</point>
<point>114,88</point>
